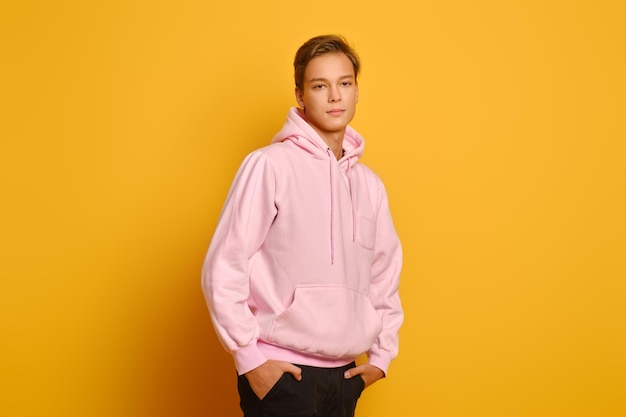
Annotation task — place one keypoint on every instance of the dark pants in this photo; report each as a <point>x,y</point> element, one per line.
<point>322,392</point>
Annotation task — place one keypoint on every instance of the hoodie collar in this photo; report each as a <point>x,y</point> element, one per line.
<point>298,130</point>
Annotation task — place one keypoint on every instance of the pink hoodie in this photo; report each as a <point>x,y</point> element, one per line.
<point>305,262</point>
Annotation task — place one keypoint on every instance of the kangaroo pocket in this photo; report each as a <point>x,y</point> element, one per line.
<point>335,322</point>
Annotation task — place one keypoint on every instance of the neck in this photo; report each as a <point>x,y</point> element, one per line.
<point>334,141</point>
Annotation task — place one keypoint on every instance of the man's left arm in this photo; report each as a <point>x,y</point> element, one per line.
<point>384,295</point>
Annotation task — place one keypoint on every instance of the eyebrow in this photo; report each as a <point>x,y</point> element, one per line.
<point>343,77</point>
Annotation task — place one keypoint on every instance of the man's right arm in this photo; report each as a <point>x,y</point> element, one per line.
<point>246,217</point>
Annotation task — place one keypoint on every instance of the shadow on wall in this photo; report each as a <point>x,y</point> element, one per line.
<point>184,370</point>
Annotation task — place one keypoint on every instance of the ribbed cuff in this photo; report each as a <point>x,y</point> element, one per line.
<point>248,358</point>
<point>380,359</point>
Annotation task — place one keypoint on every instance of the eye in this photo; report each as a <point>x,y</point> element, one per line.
<point>346,83</point>
<point>318,86</point>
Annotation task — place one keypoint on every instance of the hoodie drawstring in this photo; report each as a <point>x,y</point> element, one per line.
<point>332,207</point>
<point>352,200</point>
<point>332,203</point>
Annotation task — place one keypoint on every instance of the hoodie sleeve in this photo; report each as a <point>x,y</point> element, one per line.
<point>385,285</point>
<point>244,222</point>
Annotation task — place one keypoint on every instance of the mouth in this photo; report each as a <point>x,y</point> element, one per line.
<point>335,112</point>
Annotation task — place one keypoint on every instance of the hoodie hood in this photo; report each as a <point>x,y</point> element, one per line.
<point>298,130</point>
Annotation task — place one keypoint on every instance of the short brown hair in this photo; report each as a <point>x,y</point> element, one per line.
<point>322,45</point>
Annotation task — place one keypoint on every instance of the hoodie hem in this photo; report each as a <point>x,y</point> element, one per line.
<point>292,356</point>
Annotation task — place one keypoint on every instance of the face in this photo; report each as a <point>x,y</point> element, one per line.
<point>329,94</point>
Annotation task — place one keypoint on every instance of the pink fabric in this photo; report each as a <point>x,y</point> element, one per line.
<point>305,262</point>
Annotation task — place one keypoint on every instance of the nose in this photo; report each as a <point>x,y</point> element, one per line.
<point>334,94</point>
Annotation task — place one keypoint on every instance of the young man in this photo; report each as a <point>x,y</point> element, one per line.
<point>302,274</point>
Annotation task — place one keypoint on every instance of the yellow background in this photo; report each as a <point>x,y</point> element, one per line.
<point>498,127</point>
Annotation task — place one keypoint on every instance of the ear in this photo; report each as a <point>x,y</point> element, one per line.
<point>357,93</point>
<point>299,97</point>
